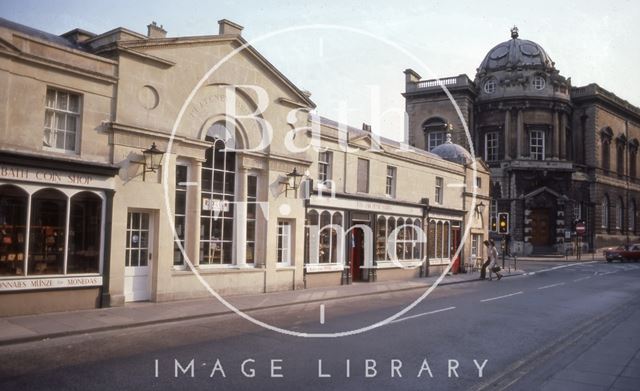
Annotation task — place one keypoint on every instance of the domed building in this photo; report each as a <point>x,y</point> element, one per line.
<point>558,154</point>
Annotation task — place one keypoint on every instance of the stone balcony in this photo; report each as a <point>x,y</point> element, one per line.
<point>415,85</point>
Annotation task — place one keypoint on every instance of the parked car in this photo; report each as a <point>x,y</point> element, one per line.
<point>623,253</point>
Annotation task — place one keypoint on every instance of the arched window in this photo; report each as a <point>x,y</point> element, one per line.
<point>439,240</point>
<point>417,244</point>
<point>431,240</point>
<point>311,234</point>
<point>336,238</point>
<point>446,245</point>
<point>13,225</point>
<point>435,132</point>
<point>47,232</point>
<point>217,208</point>
<point>604,206</point>
<point>606,136</point>
<point>381,239</point>
<point>620,215</point>
<point>326,234</point>
<point>633,154</point>
<point>84,233</point>
<point>400,239</point>
<point>632,216</point>
<point>621,143</point>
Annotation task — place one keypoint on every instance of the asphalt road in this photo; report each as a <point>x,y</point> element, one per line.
<point>480,335</point>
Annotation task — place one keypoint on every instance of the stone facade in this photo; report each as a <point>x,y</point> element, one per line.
<point>83,113</point>
<point>544,142</point>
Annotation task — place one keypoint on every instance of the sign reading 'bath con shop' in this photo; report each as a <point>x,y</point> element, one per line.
<point>52,177</point>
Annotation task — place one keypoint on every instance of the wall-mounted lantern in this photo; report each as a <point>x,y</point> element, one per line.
<point>480,207</point>
<point>293,181</point>
<point>152,159</point>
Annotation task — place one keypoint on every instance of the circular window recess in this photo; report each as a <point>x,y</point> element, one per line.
<point>538,82</point>
<point>490,86</point>
<point>148,97</point>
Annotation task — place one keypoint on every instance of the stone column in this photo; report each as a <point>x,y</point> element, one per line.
<point>556,136</point>
<point>192,234</point>
<point>240,226</point>
<point>519,132</point>
<point>563,136</point>
<point>507,135</point>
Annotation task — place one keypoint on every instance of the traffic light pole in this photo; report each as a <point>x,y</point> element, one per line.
<point>504,248</point>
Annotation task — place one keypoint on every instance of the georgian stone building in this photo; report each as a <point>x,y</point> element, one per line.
<point>116,172</point>
<point>558,154</point>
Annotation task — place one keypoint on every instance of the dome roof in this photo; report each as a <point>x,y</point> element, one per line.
<point>452,152</point>
<point>516,53</point>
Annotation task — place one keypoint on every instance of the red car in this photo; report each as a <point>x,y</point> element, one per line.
<point>623,253</point>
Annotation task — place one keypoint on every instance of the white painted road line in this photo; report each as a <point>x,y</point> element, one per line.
<point>422,314</point>
<point>560,267</point>
<point>551,286</point>
<point>321,313</point>
<point>502,297</point>
<point>582,279</point>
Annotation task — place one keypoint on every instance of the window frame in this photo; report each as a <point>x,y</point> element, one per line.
<point>435,138</point>
<point>284,233</point>
<point>325,168</point>
<point>539,82</point>
<point>180,237</point>
<point>439,190</point>
<point>390,181</point>
<point>490,85</point>
<point>55,111</point>
<point>491,146</point>
<point>537,139</point>
<point>363,187</point>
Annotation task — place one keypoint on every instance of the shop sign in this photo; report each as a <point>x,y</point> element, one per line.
<point>49,283</point>
<point>215,205</point>
<point>53,177</point>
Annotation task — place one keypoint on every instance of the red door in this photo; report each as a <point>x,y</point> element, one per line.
<point>357,254</point>
<point>455,243</point>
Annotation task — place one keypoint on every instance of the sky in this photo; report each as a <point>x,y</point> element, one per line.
<point>351,54</point>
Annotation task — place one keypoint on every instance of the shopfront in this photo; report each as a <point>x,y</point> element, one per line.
<point>53,234</point>
<point>359,239</point>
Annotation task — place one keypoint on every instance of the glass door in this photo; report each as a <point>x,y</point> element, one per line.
<point>137,276</point>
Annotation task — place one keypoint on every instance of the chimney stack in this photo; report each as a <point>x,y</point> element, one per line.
<point>227,27</point>
<point>155,31</point>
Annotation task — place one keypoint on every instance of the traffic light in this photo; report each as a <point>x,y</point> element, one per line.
<point>503,223</point>
<point>494,224</point>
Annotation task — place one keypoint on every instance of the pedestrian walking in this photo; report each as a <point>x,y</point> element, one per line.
<point>492,258</point>
<point>483,270</point>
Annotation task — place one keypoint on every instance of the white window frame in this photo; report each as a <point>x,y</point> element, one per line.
<point>539,82</point>
<point>50,123</point>
<point>283,243</point>
<point>435,138</point>
<point>491,148</point>
<point>439,190</point>
<point>536,144</point>
<point>390,183</point>
<point>183,189</point>
<point>490,86</point>
<point>325,168</point>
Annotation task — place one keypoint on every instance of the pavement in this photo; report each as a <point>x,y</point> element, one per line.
<point>25,328</point>
<point>611,363</point>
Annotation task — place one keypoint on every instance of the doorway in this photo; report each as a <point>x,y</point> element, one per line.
<point>138,256</point>
<point>540,227</point>
<point>356,255</point>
